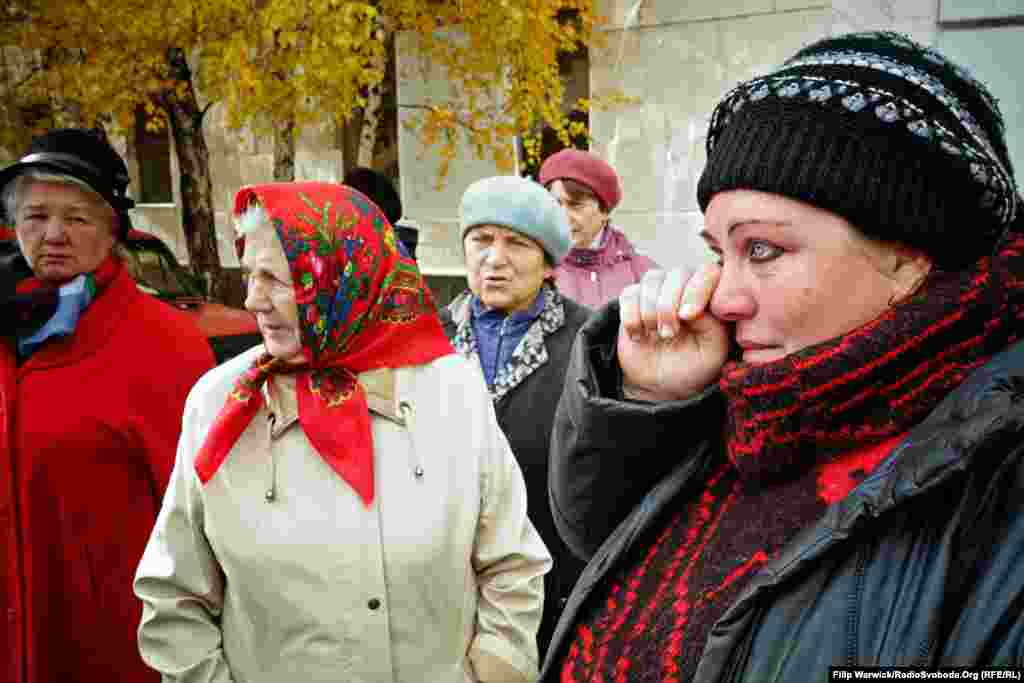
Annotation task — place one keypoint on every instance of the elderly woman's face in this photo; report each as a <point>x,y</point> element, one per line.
<point>505,268</point>
<point>794,275</point>
<point>270,294</point>
<point>586,218</point>
<point>62,230</point>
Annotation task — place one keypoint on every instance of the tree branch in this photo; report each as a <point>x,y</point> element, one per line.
<point>458,120</point>
<point>202,112</point>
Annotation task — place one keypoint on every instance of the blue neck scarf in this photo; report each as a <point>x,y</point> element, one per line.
<point>498,334</point>
<point>72,299</point>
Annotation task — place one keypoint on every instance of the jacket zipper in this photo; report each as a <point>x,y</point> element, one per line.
<point>853,607</point>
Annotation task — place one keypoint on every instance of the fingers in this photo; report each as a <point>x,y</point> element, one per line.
<point>638,304</point>
<point>629,312</point>
<point>672,289</point>
<point>662,302</point>
<point>648,308</point>
<point>697,295</point>
<point>651,285</point>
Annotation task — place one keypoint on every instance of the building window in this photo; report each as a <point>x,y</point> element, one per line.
<point>153,152</point>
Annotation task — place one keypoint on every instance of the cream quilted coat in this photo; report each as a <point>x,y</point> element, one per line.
<point>276,570</point>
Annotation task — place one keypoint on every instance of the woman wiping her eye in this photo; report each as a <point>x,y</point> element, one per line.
<point>809,451</point>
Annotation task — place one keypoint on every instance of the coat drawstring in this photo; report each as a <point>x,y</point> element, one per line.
<point>271,492</point>
<point>405,409</point>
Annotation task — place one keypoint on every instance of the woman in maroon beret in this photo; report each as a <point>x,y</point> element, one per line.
<point>602,261</point>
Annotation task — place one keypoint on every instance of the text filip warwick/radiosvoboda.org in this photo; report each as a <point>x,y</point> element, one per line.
<point>902,673</point>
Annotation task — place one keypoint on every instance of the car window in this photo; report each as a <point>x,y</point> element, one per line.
<point>156,272</point>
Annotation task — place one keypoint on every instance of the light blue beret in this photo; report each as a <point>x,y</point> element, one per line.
<point>518,204</point>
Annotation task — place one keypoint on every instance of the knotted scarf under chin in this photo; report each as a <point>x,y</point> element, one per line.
<point>332,412</point>
<point>879,380</point>
<point>361,306</point>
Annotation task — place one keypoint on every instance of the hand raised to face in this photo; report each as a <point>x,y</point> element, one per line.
<point>670,347</point>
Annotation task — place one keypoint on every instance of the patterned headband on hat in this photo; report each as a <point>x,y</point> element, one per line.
<point>879,115</point>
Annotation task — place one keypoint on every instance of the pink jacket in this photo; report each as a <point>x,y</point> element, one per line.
<point>593,277</point>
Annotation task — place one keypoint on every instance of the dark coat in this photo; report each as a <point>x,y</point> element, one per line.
<point>919,566</point>
<point>525,405</point>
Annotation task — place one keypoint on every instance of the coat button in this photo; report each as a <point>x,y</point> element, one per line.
<point>373,604</point>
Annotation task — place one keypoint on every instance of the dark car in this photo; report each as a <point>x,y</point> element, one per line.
<point>157,272</point>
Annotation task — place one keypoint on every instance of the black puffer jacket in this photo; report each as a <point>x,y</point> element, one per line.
<point>921,565</point>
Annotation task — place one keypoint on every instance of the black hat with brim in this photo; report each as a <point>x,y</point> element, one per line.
<point>82,155</point>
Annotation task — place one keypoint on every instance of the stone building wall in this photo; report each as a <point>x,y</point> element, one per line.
<point>678,59</point>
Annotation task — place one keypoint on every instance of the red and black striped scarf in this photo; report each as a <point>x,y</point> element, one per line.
<point>879,380</point>
<point>803,431</point>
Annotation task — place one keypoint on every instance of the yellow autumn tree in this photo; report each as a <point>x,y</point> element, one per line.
<point>278,64</point>
<point>302,61</point>
<point>22,111</point>
<point>295,63</point>
<point>104,60</point>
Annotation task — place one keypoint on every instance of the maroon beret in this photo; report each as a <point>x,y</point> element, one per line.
<point>585,168</point>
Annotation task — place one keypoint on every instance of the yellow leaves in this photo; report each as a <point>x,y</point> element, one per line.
<point>305,60</point>
<point>286,39</point>
<point>613,99</point>
<point>501,60</point>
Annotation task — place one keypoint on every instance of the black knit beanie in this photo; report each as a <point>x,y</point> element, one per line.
<point>885,132</point>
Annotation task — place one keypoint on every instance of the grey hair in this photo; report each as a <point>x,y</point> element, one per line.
<point>254,217</point>
<point>12,191</point>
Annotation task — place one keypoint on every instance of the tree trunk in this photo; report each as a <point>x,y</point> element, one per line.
<point>349,135</point>
<point>197,217</point>
<point>368,134</point>
<point>372,110</point>
<point>284,150</point>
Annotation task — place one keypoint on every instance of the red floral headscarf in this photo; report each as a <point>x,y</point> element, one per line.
<point>362,306</point>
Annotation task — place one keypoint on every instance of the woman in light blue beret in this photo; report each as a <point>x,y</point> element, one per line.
<point>514,321</point>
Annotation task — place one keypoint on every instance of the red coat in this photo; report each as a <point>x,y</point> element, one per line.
<point>88,431</point>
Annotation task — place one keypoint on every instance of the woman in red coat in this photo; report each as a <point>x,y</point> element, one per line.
<point>93,379</point>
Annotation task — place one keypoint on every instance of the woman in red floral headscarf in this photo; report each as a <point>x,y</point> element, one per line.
<point>344,505</point>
